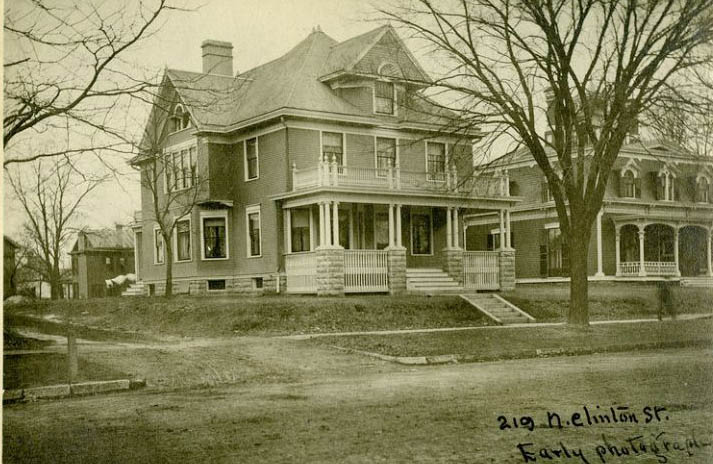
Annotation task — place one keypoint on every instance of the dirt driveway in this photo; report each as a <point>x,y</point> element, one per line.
<point>352,409</point>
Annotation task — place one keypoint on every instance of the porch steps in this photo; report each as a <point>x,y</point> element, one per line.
<point>135,289</point>
<point>498,309</point>
<point>430,281</point>
<point>702,281</point>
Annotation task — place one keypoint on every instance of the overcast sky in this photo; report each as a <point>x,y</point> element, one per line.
<point>260,30</point>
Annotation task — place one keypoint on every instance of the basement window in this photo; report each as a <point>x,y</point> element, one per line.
<point>216,284</point>
<point>257,282</point>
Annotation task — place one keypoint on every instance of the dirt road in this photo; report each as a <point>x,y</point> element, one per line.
<point>354,410</point>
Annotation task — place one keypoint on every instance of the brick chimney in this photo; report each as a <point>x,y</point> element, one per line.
<point>217,57</point>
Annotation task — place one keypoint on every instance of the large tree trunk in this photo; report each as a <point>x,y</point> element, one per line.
<point>578,246</point>
<point>169,267</point>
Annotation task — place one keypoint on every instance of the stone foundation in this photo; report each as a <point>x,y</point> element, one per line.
<point>453,263</point>
<point>397,270</point>
<point>507,270</point>
<point>330,271</point>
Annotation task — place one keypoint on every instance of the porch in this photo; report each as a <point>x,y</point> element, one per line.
<point>662,249</point>
<point>332,248</point>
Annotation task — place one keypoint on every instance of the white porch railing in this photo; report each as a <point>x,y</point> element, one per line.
<point>481,270</point>
<point>651,268</point>
<point>366,271</point>
<point>394,178</point>
<point>301,271</point>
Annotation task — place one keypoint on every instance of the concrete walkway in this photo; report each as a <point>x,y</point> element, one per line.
<point>682,317</point>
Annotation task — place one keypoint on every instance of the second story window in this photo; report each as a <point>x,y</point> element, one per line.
<point>252,166</point>
<point>180,167</point>
<point>703,190</point>
<point>436,161</point>
<point>385,96</point>
<point>546,192</point>
<point>630,186</point>
<point>385,155</point>
<point>333,147</point>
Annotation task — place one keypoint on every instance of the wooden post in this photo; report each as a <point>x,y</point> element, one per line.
<point>72,361</point>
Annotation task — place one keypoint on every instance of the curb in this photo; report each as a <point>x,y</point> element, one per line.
<point>76,389</point>
<point>536,353</point>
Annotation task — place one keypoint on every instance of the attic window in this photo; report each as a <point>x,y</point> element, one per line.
<point>385,96</point>
<point>180,119</point>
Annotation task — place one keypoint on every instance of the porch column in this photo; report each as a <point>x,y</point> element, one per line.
<point>321,224</point>
<point>351,227</point>
<point>502,229</point>
<point>398,227</point>
<point>618,251</point>
<point>642,234</point>
<point>508,230</point>
<point>666,183</point>
<point>335,225</point>
<point>449,229</point>
<point>392,231</point>
<point>136,257</point>
<point>708,252</point>
<point>311,230</point>
<point>288,230</point>
<point>600,271</point>
<point>675,250</point>
<point>456,235</point>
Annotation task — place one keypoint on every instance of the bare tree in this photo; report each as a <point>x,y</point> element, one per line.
<point>50,195</point>
<point>582,71</point>
<point>67,78</point>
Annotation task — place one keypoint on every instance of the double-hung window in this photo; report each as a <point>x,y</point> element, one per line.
<point>385,96</point>
<point>215,240</point>
<point>333,147</point>
<point>299,223</point>
<point>436,161</point>
<point>253,229</point>
<point>252,165</point>
<point>385,155</point>
<point>158,246</point>
<point>183,240</point>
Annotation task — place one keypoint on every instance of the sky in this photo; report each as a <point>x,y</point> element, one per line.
<point>260,30</point>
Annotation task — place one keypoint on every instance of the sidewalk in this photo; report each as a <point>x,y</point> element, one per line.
<point>682,317</point>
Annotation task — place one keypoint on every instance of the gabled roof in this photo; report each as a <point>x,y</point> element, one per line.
<point>291,82</point>
<point>106,239</point>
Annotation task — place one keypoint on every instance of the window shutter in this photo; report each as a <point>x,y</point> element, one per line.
<point>691,187</point>
<point>710,192</point>
<point>659,185</point>
<point>614,181</point>
<point>543,252</point>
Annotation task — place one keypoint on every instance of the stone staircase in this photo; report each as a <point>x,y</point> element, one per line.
<point>430,281</point>
<point>135,289</point>
<point>498,309</point>
<point>702,281</point>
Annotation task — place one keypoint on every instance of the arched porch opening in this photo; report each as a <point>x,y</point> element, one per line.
<point>692,249</point>
<point>658,243</point>
<point>629,243</point>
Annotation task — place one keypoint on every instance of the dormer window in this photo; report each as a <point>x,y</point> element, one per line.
<point>385,97</point>
<point>703,190</point>
<point>180,119</point>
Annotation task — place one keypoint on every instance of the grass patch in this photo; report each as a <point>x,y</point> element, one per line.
<point>509,343</point>
<point>13,340</point>
<point>221,316</point>
<point>34,370</point>
<point>607,300</point>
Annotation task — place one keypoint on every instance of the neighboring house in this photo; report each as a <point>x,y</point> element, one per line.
<point>327,172</point>
<point>9,267</point>
<point>655,221</point>
<point>100,255</point>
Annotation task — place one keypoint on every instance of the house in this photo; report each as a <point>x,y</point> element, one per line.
<point>655,221</point>
<point>100,255</point>
<point>323,171</point>
<point>9,267</point>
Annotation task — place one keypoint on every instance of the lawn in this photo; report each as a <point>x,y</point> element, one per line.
<point>507,343</point>
<point>607,300</point>
<point>267,315</point>
<point>38,369</point>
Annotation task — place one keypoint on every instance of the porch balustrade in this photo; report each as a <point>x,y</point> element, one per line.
<point>301,269</point>
<point>651,268</point>
<point>481,270</point>
<point>394,178</point>
<point>366,271</point>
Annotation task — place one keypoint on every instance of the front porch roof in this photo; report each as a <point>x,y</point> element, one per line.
<point>438,199</point>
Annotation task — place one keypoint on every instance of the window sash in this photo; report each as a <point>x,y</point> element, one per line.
<point>183,240</point>
<point>385,155</point>
<point>333,147</point>
<point>251,158</point>
<point>254,233</point>
<point>436,153</point>
<point>384,97</point>
<point>214,240</point>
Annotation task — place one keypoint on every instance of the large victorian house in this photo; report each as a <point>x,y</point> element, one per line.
<point>655,221</point>
<point>324,171</point>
